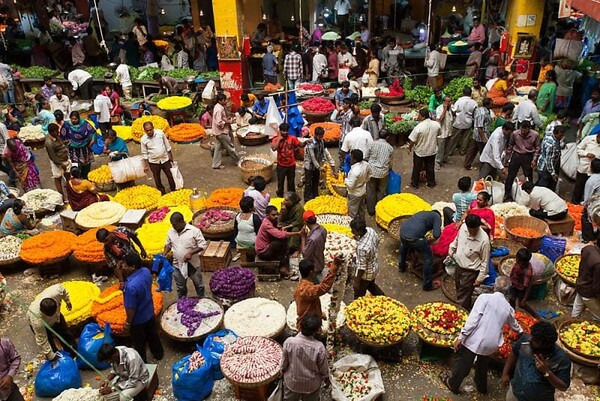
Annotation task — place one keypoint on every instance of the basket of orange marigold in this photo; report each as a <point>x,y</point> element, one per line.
<point>109,308</point>
<point>186,133</point>
<point>88,251</point>
<point>48,248</point>
<point>225,197</point>
<point>333,132</point>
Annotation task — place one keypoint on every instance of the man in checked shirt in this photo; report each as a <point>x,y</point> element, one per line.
<point>292,67</point>
<point>548,165</point>
<point>366,259</point>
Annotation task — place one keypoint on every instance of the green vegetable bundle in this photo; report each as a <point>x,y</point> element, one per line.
<point>403,127</point>
<point>147,73</point>
<point>133,72</point>
<point>181,73</point>
<point>35,72</point>
<point>365,105</point>
<point>97,72</point>
<point>209,75</point>
<point>455,88</point>
<point>419,94</point>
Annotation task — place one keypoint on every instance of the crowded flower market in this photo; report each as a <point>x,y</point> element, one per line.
<point>284,200</point>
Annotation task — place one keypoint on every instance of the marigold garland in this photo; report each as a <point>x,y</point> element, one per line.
<point>137,128</point>
<point>336,228</point>
<point>88,249</point>
<point>186,132</point>
<point>82,295</point>
<point>181,197</point>
<point>47,246</point>
<point>138,197</point>
<point>333,131</point>
<point>327,204</point>
<point>109,307</point>
<point>174,103</point>
<point>154,236</point>
<point>332,181</point>
<point>225,197</point>
<point>397,205</point>
<point>101,174</point>
<point>378,319</point>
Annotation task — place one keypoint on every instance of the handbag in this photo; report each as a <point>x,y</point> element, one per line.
<point>177,177</point>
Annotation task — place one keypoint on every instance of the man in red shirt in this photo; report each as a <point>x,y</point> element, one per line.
<point>286,147</point>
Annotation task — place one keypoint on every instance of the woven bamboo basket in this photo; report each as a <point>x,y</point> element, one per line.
<point>216,231</point>
<point>376,345</point>
<point>580,356</point>
<point>10,262</point>
<point>255,384</point>
<point>253,139</point>
<point>317,117</point>
<point>512,246</point>
<point>40,143</point>
<point>429,333</point>
<point>506,264</point>
<point>388,99</point>
<point>533,244</point>
<point>564,278</point>
<point>171,312</point>
<point>393,228</point>
<point>105,186</point>
<point>260,159</point>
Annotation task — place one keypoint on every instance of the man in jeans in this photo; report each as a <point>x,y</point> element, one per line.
<point>292,67</point>
<point>482,121</point>
<point>548,166</point>
<point>221,128</point>
<point>286,146</point>
<point>186,242</point>
<point>157,155</point>
<point>522,153</point>
<point>315,156</point>
<point>380,160</point>
<point>367,267</point>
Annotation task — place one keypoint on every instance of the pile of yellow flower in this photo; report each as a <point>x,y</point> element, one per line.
<point>174,103</point>
<point>397,205</point>
<point>138,197</point>
<point>123,131</point>
<point>137,128</point>
<point>378,319</point>
<point>438,323</point>
<point>336,228</point>
<point>181,197</point>
<point>154,236</point>
<point>101,174</point>
<point>333,180</point>
<point>582,338</point>
<point>88,249</point>
<point>276,202</point>
<point>100,214</point>
<point>567,268</point>
<point>82,295</point>
<point>327,204</point>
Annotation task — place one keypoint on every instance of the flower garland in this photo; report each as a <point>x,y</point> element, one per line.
<point>51,245</point>
<point>438,322</point>
<point>186,132</point>
<point>109,307</point>
<point>398,205</point>
<point>174,103</point>
<point>138,197</point>
<point>82,295</point>
<point>101,174</point>
<point>333,131</point>
<point>123,131</point>
<point>378,319</point>
<point>137,128</point>
<point>181,197</point>
<point>327,204</point>
<point>164,214</point>
<point>567,268</point>
<point>332,181</point>
<point>336,228</point>
<point>339,244</point>
<point>10,247</point>
<point>100,214</point>
<point>88,249</point>
<point>154,236</point>
<point>225,197</point>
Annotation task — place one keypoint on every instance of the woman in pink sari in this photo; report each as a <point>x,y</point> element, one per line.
<point>481,207</point>
<point>22,161</point>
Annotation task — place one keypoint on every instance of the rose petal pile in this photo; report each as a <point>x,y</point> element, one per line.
<point>583,338</point>
<point>100,214</point>
<point>164,214</point>
<point>333,131</point>
<point>308,87</point>
<point>181,197</point>
<point>567,268</point>
<point>82,295</point>
<point>123,131</point>
<point>232,283</point>
<point>398,205</point>
<point>138,197</point>
<point>47,246</point>
<point>438,323</point>
<point>215,217</point>
<point>10,247</point>
<point>174,103</point>
<point>510,336</point>
<point>88,249</point>
<point>109,307</point>
<point>137,128</point>
<point>186,132</point>
<point>378,319</point>
<point>154,236</point>
<point>101,174</point>
<point>225,197</point>
<point>327,204</point>
<point>252,360</point>
<point>318,105</point>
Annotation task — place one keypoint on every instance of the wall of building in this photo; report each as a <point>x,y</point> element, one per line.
<point>517,9</point>
<point>174,10</point>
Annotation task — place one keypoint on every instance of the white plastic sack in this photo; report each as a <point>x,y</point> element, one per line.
<point>569,160</point>
<point>565,293</point>
<point>177,177</point>
<point>273,119</point>
<point>361,363</point>
<point>519,196</point>
<point>570,49</point>
<point>129,169</point>
<point>495,189</point>
<point>209,90</point>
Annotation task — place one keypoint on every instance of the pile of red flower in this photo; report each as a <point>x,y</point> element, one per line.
<point>318,105</point>
<point>395,90</point>
<point>510,336</point>
<point>317,88</point>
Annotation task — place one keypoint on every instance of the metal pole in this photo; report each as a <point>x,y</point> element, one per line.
<point>429,23</point>
<point>300,20</point>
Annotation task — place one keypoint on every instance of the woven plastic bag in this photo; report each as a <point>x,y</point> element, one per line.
<point>162,266</point>
<point>360,363</point>
<point>196,385</point>
<point>56,376</point>
<point>216,348</point>
<point>91,339</point>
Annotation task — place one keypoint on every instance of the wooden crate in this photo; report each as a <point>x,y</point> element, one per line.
<point>267,270</point>
<point>217,255</point>
<point>67,217</point>
<point>562,227</point>
<point>133,218</point>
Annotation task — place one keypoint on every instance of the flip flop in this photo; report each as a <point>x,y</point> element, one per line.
<point>434,286</point>
<point>445,378</point>
<point>221,167</point>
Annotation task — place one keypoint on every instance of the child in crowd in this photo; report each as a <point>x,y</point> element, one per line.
<point>521,281</point>
<point>206,119</point>
<point>462,200</point>
<point>242,117</point>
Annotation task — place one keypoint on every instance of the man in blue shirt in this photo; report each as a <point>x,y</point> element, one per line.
<point>269,65</point>
<point>259,109</point>
<point>137,297</point>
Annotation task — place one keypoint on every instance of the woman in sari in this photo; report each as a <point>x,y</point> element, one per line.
<point>22,162</point>
<point>116,109</point>
<point>481,208</point>
<point>16,221</point>
<point>547,94</point>
<point>82,192</point>
<point>500,89</point>
<point>79,136</point>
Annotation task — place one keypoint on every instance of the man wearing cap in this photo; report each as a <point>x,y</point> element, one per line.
<point>312,245</point>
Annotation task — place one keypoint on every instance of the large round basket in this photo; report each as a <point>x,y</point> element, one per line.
<point>317,117</point>
<point>506,264</point>
<point>575,354</point>
<point>376,345</point>
<point>391,100</point>
<point>449,338</point>
<point>216,231</point>
<point>170,321</point>
<point>256,164</point>
<point>226,355</point>
<point>251,138</point>
<point>512,246</point>
<point>568,280</point>
<point>533,244</point>
<point>105,186</point>
<point>395,225</point>
<point>37,144</point>
<point>10,263</point>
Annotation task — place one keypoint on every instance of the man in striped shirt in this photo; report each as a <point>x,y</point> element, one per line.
<point>366,259</point>
<point>380,160</point>
<point>548,165</point>
<point>292,67</point>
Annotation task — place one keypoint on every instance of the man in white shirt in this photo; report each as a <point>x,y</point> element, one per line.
<point>544,203</point>
<point>342,12</point>
<point>124,79</point>
<point>463,109</point>
<point>481,336</point>
<point>183,60</point>
<point>356,183</point>
<point>102,106</point>
<point>129,374</point>
<point>61,102</point>
<point>527,110</point>
<point>587,150</point>
<point>157,155</point>
<point>357,138</point>
<point>81,81</point>
<point>423,141</point>
<point>186,242</point>
<point>433,62</point>
<point>345,59</point>
<point>443,115</point>
<point>592,186</point>
<point>493,152</point>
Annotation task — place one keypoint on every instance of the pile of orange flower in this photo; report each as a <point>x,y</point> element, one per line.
<point>109,307</point>
<point>225,197</point>
<point>575,212</point>
<point>272,87</point>
<point>47,246</point>
<point>186,132</point>
<point>510,336</point>
<point>88,249</point>
<point>525,232</point>
<point>333,131</point>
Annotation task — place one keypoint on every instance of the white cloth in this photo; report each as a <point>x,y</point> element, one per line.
<point>342,7</point>
<point>463,109</point>
<point>156,149</point>
<point>188,240</point>
<point>527,111</point>
<point>589,144</point>
<point>357,178</point>
<point>131,369</point>
<point>319,66</point>
<point>63,104</point>
<point>482,333</point>
<point>78,77</point>
<point>546,199</point>
<point>433,63</point>
<point>358,138</point>
<point>123,76</point>
<point>494,149</point>
<point>57,171</point>
<point>424,136</point>
<point>102,106</point>
<point>445,124</point>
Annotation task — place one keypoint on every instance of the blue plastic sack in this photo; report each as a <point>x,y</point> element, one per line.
<point>196,385</point>
<point>57,376</point>
<point>98,146</point>
<point>394,183</point>
<point>347,164</point>
<point>492,274</point>
<point>553,247</point>
<point>162,266</point>
<point>216,349</point>
<point>91,339</point>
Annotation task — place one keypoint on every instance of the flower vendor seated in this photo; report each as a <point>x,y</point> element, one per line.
<point>258,192</point>
<point>206,119</point>
<point>307,292</point>
<point>129,375</point>
<point>259,109</point>
<point>242,117</point>
<point>7,198</point>
<point>116,110</point>
<point>500,89</point>
<point>11,361</point>
<point>45,311</point>
<point>44,117</point>
<point>247,100</point>
<point>21,161</point>
<point>16,221</point>
<point>521,281</point>
<point>544,203</point>
<point>246,224</point>
<point>13,117</point>
<point>115,147</point>
<point>481,208</point>
<point>291,218</point>
<point>119,243</point>
<point>82,192</point>
<point>271,242</point>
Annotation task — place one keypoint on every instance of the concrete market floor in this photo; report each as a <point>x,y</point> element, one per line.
<point>411,379</point>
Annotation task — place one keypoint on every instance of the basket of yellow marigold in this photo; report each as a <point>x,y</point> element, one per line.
<point>102,178</point>
<point>174,103</point>
<point>82,295</point>
<point>397,205</point>
<point>138,197</point>
<point>48,248</point>
<point>137,128</point>
<point>89,252</point>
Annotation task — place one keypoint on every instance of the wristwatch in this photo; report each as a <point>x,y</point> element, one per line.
<point>547,374</point>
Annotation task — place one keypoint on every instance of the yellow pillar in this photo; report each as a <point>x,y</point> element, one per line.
<point>227,17</point>
<point>522,11</point>
<point>195,14</point>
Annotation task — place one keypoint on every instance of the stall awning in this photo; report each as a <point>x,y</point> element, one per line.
<point>591,8</point>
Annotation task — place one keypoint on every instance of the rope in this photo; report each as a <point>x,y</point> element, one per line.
<point>102,41</point>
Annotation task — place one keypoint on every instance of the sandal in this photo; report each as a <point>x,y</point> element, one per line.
<point>444,377</point>
<point>221,167</point>
<point>434,286</point>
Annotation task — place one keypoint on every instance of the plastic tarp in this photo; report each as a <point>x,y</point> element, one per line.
<point>360,363</point>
